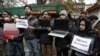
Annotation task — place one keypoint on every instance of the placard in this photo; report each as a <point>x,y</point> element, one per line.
<point>9,30</point>
<point>21,23</point>
<point>81,43</point>
<point>10,26</point>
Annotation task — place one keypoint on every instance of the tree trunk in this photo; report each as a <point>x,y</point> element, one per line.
<point>40,2</point>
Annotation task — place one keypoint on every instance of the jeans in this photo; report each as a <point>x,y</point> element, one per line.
<point>16,46</point>
<point>33,47</point>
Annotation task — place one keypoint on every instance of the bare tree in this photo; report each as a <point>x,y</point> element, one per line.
<point>41,1</point>
<point>14,3</point>
<point>81,1</point>
<point>58,1</point>
<point>98,0</point>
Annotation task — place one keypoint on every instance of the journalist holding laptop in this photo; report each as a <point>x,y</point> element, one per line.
<point>62,44</point>
<point>45,39</point>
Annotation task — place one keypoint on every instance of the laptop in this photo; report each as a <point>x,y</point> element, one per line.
<point>43,24</point>
<point>60,28</point>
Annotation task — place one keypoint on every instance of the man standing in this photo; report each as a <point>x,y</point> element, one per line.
<point>30,33</point>
<point>6,18</point>
<point>44,38</point>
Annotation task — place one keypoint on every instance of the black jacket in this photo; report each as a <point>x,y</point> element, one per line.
<point>31,34</point>
<point>89,33</point>
<point>44,37</point>
<point>64,42</point>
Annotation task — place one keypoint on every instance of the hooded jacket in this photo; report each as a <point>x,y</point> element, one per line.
<point>88,33</point>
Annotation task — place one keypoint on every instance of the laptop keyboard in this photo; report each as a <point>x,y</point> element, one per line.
<point>59,32</point>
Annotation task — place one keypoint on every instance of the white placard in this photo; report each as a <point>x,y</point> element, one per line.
<point>21,23</point>
<point>81,43</point>
<point>10,26</point>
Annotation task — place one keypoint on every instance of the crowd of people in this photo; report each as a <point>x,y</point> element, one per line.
<point>36,42</point>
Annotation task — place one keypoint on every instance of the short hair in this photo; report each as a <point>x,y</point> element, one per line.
<point>28,6</point>
<point>92,17</point>
<point>84,12</point>
<point>44,12</point>
<point>8,13</point>
<point>18,15</point>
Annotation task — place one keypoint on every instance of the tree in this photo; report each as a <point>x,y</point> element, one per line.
<point>39,2</point>
<point>98,0</point>
<point>14,3</point>
<point>58,1</point>
<point>81,1</point>
<point>68,5</point>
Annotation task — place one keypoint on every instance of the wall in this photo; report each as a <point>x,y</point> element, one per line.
<point>95,12</point>
<point>20,10</point>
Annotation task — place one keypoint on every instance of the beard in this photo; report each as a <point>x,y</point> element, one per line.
<point>27,13</point>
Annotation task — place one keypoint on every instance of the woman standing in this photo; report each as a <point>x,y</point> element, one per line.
<point>84,30</point>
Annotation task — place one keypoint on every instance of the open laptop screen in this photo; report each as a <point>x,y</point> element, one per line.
<point>61,24</point>
<point>44,23</point>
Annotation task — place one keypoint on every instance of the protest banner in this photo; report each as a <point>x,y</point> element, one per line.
<point>21,23</point>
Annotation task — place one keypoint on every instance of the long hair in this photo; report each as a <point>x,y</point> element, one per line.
<point>88,25</point>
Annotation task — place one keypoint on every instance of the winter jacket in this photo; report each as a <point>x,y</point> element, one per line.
<point>43,35</point>
<point>89,33</point>
<point>31,34</point>
<point>64,42</point>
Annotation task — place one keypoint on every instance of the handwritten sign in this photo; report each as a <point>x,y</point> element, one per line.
<point>21,23</point>
<point>81,43</point>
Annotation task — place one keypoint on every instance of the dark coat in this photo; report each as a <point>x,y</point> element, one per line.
<point>31,34</point>
<point>44,37</point>
<point>64,42</point>
<point>88,32</point>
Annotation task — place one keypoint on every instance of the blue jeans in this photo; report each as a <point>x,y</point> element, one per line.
<point>33,47</point>
<point>14,46</point>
